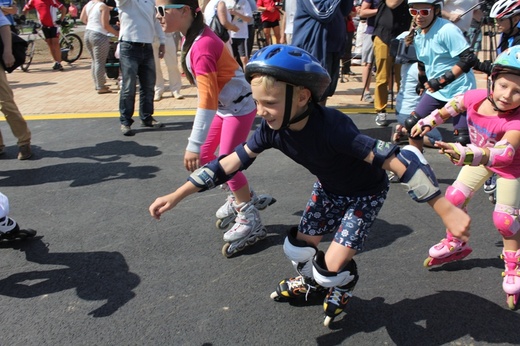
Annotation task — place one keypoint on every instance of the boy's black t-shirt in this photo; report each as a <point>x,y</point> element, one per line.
<point>331,147</point>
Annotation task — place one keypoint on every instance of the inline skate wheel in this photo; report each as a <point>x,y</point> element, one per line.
<point>327,321</point>
<point>512,299</point>
<point>427,262</point>
<point>492,199</point>
<point>220,224</point>
<point>225,249</point>
<point>274,296</point>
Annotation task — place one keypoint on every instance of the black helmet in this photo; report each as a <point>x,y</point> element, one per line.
<point>291,65</point>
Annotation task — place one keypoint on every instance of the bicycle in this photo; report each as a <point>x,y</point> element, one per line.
<point>261,41</point>
<point>71,44</point>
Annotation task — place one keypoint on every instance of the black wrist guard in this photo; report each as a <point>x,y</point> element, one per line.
<point>440,82</point>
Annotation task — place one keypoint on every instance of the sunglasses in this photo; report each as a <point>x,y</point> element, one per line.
<point>424,12</point>
<point>162,9</point>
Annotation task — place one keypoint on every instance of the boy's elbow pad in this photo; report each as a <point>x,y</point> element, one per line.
<point>245,160</point>
<point>419,179</point>
<point>382,151</point>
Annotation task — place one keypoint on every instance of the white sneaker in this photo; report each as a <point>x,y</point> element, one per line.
<point>381,119</point>
<point>177,95</point>
<point>368,98</point>
<point>157,96</point>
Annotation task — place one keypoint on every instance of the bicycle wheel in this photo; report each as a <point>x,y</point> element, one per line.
<point>260,39</point>
<point>29,53</point>
<point>71,47</point>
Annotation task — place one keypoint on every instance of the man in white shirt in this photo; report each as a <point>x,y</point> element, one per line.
<point>456,11</point>
<point>136,35</point>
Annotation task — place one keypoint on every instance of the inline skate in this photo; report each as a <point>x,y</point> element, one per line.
<point>511,283</point>
<point>226,214</point>
<point>297,287</point>
<point>447,250</point>
<point>340,285</point>
<point>248,229</point>
<point>490,187</point>
<point>10,230</point>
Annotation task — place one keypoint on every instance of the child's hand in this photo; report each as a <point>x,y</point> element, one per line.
<point>418,131</point>
<point>161,205</point>
<point>458,222</point>
<point>449,150</point>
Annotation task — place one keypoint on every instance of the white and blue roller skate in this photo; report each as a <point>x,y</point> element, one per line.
<point>248,229</point>
<point>227,214</point>
<point>10,230</point>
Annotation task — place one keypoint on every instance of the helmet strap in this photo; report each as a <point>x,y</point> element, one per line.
<point>289,90</point>
<point>287,121</point>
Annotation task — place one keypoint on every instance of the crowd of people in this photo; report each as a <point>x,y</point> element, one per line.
<point>422,48</point>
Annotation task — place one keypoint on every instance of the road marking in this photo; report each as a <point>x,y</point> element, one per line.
<point>159,113</point>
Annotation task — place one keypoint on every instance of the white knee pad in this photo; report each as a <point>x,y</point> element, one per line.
<point>299,253</point>
<point>4,205</point>
<point>505,218</point>
<point>329,279</point>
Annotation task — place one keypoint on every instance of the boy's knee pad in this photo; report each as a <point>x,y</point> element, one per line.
<point>299,253</point>
<point>326,278</point>
<point>458,194</point>
<point>461,136</point>
<point>505,218</point>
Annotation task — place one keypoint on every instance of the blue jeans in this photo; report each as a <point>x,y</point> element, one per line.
<point>136,60</point>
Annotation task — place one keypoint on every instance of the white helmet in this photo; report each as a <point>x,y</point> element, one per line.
<point>505,9</point>
<point>439,3</point>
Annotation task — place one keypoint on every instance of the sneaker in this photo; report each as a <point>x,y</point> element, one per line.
<point>177,95</point>
<point>105,90</point>
<point>157,96</point>
<point>381,119</point>
<point>368,98</point>
<point>491,184</point>
<point>57,67</point>
<point>24,152</point>
<point>127,130</point>
<point>152,123</point>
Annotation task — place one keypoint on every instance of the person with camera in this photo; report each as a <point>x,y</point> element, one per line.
<point>506,14</point>
<point>50,24</point>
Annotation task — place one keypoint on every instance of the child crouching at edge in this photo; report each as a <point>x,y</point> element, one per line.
<point>351,184</point>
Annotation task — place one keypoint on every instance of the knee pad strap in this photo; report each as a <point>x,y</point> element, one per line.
<point>505,218</point>
<point>299,253</point>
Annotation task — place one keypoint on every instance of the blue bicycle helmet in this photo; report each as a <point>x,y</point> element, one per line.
<point>291,65</point>
<point>506,62</point>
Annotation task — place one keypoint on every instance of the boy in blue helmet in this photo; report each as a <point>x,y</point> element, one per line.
<point>287,83</point>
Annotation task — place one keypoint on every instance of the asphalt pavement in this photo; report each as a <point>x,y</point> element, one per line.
<point>101,271</point>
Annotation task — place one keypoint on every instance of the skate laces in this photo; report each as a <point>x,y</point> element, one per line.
<point>511,260</point>
<point>299,283</point>
<point>339,296</point>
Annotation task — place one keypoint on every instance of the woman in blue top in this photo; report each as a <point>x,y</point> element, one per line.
<point>445,64</point>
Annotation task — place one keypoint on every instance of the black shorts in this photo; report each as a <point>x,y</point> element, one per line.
<point>239,46</point>
<point>267,25</point>
<point>50,32</point>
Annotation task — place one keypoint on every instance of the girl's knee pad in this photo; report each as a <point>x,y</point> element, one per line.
<point>505,219</point>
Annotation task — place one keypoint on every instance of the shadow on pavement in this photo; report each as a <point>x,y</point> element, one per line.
<point>437,319</point>
<point>97,275</point>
